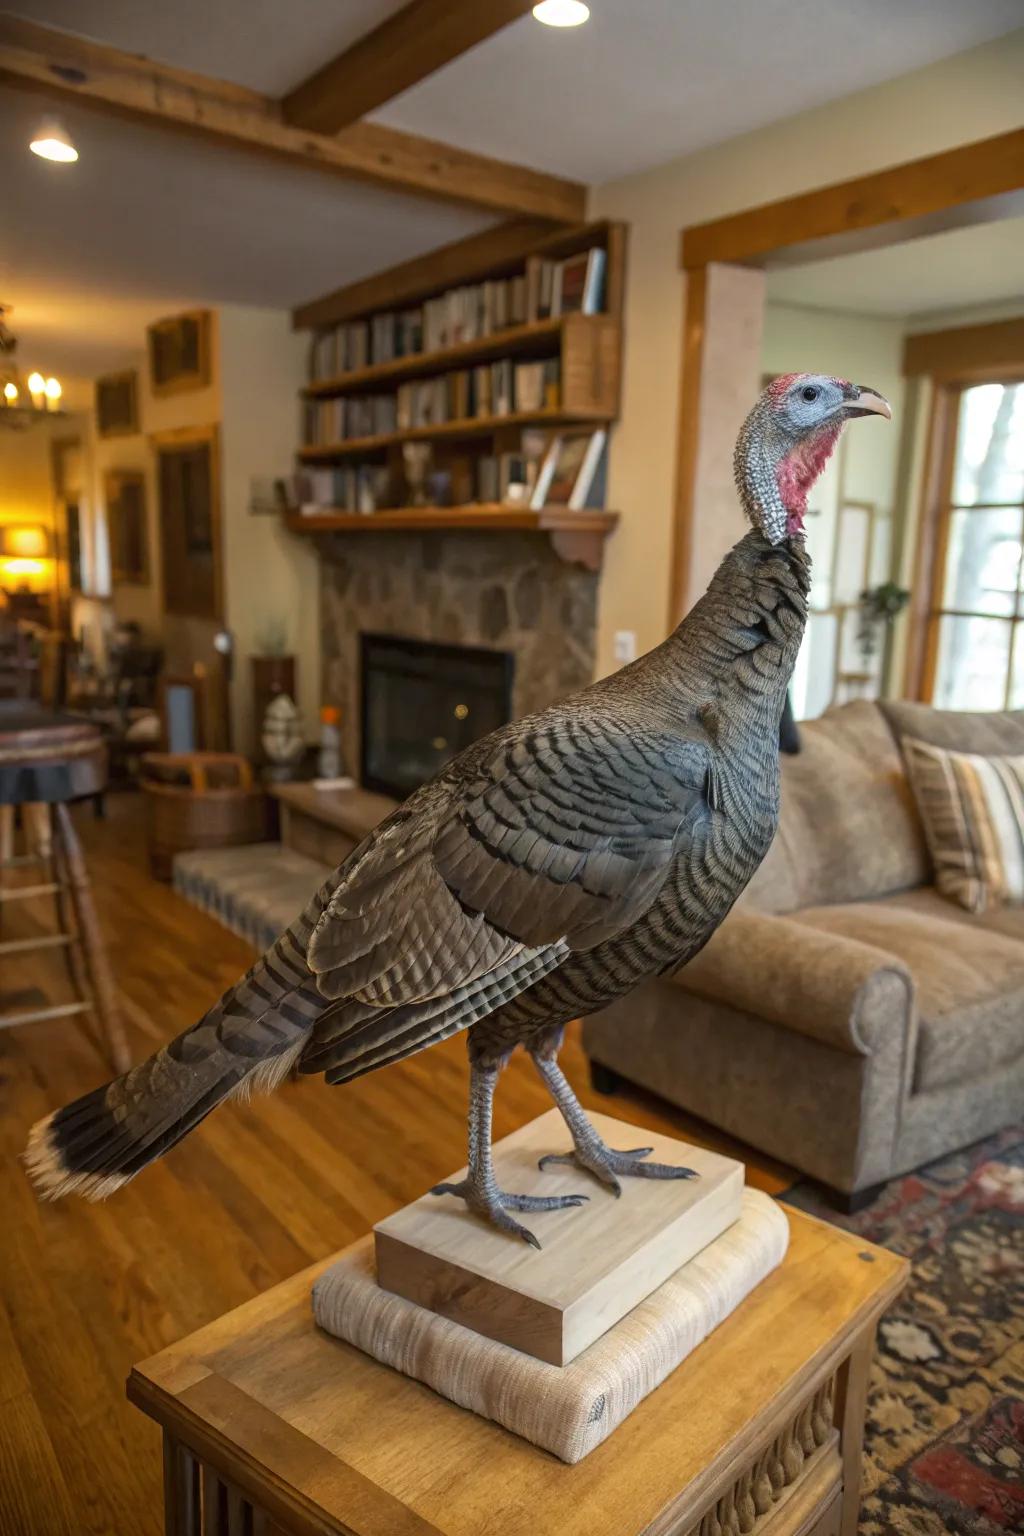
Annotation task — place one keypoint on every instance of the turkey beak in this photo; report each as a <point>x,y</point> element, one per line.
<point>867,402</point>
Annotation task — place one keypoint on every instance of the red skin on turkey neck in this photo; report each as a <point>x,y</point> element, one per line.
<point>797,472</point>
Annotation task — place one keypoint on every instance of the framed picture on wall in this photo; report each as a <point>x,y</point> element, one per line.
<point>124,492</point>
<point>179,353</point>
<point>117,408</point>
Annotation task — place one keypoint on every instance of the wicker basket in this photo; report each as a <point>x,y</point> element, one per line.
<point>199,800</point>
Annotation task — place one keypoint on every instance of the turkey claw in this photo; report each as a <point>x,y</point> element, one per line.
<point>493,1204</point>
<point>605,1164</point>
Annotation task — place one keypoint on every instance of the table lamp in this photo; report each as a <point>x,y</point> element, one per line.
<point>25,555</point>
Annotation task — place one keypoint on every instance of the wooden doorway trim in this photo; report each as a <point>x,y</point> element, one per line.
<point>694,321</point>
<point>974,183</point>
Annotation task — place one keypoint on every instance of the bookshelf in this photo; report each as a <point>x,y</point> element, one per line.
<point>577,354</point>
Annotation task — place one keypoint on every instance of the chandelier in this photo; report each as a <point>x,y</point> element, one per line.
<point>23,401</point>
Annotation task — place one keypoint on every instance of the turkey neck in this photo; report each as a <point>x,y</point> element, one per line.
<point>730,660</point>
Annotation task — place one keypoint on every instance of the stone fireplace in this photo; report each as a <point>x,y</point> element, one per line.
<point>506,593</point>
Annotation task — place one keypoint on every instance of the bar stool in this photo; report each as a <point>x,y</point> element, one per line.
<point>47,760</point>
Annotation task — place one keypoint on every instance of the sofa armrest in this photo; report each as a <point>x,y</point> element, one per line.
<point>834,989</point>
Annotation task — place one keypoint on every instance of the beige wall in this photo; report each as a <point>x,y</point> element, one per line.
<point>142,603</point>
<point>968,97</point>
<point>272,576</point>
<point>26,481</point>
<point>257,369</point>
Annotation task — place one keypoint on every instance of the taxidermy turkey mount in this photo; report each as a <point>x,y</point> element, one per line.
<point>551,868</point>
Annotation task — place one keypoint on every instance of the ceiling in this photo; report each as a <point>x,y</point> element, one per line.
<point>150,219</point>
<point>147,222</point>
<point>956,270</point>
<point>668,76</point>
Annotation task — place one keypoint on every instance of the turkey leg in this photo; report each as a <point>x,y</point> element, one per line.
<point>479,1188</point>
<point>590,1151</point>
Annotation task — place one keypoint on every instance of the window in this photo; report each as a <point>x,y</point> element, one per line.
<point>977,617</point>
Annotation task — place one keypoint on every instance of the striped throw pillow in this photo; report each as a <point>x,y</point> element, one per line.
<point>973,813</point>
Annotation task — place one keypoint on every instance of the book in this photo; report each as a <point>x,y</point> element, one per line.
<point>529,386</point>
<point>552,374</point>
<point>501,387</point>
<point>578,284</point>
<point>568,470</point>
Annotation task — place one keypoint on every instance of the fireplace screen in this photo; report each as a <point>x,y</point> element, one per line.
<point>422,703</point>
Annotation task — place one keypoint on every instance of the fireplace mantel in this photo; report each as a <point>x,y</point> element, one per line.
<point>576,537</point>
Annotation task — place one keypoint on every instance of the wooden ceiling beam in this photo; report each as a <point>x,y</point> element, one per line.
<point>973,183</point>
<point>415,42</point>
<point>127,85</point>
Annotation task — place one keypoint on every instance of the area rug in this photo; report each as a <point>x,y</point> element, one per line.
<point>944,1446</point>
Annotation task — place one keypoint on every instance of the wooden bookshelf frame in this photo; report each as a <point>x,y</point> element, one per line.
<point>576,537</point>
<point>588,347</point>
<point>497,252</point>
<point>465,427</point>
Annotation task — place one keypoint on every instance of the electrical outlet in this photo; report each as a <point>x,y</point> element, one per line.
<point>624,645</point>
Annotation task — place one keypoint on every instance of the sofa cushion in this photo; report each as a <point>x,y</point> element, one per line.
<point>972,807</point>
<point>955,729</point>
<point>929,903</point>
<point>969,980</point>
<point>848,828</point>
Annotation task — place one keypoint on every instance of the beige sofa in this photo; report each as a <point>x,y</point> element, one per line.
<point>846,1018</point>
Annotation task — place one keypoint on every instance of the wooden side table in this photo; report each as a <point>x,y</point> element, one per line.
<point>274,1428</point>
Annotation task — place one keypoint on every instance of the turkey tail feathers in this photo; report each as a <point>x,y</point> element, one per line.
<point>247,1043</point>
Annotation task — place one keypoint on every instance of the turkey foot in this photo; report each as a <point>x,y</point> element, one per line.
<point>605,1163</point>
<point>479,1188</point>
<point>589,1151</point>
<point>485,1199</point>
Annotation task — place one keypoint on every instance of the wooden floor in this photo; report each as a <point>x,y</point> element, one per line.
<point>256,1193</point>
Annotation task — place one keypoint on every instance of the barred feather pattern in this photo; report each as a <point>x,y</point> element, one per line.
<point>728,665</point>
<point>247,1043</point>
<point>544,873</point>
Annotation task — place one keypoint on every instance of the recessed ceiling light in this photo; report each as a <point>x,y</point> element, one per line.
<point>53,143</point>
<point>561,13</point>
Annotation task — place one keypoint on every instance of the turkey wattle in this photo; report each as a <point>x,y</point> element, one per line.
<point>548,870</point>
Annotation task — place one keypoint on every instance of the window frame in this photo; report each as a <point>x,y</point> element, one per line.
<point>939,366</point>
<point>947,420</point>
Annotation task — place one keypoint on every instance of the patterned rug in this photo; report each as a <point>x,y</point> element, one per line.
<point>944,1449</point>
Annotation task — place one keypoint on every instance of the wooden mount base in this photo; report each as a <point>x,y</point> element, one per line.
<point>598,1261</point>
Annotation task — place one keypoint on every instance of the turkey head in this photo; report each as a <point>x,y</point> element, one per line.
<point>787,440</point>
